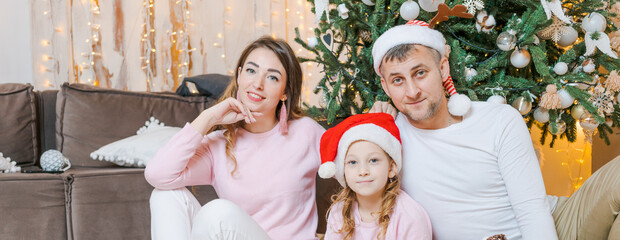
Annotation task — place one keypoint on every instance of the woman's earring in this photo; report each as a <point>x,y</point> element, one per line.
<point>391,179</point>
<point>283,118</point>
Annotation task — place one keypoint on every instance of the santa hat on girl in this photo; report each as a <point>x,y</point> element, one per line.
<point>378,128</point>
<point>419,32</point>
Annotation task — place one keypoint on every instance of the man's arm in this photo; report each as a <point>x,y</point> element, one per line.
<point>521,173</point>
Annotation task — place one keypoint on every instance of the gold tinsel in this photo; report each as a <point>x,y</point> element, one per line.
<point>550,99</point>
<point>613,82</point>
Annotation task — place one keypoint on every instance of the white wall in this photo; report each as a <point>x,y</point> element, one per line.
<point>15,50</point>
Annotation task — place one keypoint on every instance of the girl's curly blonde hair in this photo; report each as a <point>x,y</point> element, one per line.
<point>347,197</point>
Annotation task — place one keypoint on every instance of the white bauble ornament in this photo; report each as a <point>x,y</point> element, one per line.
<point>430,5</point>
<point>594,22</point>
<point>496,99</point>
<point>343,11</point>
<point>312,42</point>
<point>579,112</point>
<point>470,73</point>
<point>541,115</point>
<point>588,66</point>
<point>520,58</point>
<point>506,41</point>
<point>485,22</point>
<point>560,127</point>
<point>560,68</point>
<point>588,124</point>
<point>409,10</point>
<point>609,122</point>
<point>566,100</point>
<point>568,39</point>
<point>524,106</point>
<point>368,2</point>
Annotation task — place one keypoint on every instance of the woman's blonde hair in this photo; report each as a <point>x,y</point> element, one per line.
<point>287,58</point>
<point>347,197</point>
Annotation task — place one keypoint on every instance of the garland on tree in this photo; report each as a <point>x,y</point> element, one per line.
<point>551,60</point>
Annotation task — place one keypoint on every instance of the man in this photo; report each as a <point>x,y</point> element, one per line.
<point>472,166</point>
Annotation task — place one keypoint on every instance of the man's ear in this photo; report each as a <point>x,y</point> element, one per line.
<point>444,68</point>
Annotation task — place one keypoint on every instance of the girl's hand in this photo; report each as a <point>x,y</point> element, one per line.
<point>226,112</point>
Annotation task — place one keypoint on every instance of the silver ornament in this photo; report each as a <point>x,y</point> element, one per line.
<point>594,22</point>
<point>497,99</point>
<point>588,124</point>
<point>409,10</point>
<point>520,58</point>
<point>568,38</point>
<point>430,5</point>
<point>524,106</point>
<point>560,68</point>
<point>566,100</point>
<point>541,115</point>
<point>470,73</point>
<point>506,41</point>
<point>559,129</point>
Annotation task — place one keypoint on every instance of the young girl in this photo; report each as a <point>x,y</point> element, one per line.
<point>364,154</point>
<point>262,166</point>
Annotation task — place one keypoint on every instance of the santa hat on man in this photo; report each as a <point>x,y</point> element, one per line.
<point>378,128</point>
<point>419,32</point>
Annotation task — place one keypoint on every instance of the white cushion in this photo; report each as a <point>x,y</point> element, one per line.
<point>135,151</point>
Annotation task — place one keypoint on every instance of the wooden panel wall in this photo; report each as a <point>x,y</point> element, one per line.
<point>150,45</point>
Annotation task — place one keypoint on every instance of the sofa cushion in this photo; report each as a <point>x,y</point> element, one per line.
<point>113,203</point>
<point>88,117</point>
<point>32,206</point>
<point>18,123</point>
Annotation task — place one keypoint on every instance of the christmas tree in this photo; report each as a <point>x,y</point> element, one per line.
<point>553,61</point>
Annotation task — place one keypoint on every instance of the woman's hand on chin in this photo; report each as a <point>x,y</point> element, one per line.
<point>225,112</point>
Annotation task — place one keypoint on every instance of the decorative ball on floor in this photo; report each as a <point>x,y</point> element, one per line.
<point>53,161</point>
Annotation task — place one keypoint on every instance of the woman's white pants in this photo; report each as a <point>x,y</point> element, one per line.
<point>176,214</point>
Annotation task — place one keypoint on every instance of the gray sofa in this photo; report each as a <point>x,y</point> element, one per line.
<point>94,199</point>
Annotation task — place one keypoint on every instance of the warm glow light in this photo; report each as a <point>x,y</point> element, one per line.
<point>45,42</point>
<point>219,35</point>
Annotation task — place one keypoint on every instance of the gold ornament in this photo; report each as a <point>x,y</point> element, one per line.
<point>524,106</point>
<point>366,36</point>
<point>579,112</point>
<point>560,127</point>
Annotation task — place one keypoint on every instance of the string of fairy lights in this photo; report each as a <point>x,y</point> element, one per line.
<point>49,61</point>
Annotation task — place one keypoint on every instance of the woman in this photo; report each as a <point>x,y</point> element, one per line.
<point>262,166</point>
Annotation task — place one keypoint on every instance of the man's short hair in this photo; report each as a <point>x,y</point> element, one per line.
<point>400,53</point>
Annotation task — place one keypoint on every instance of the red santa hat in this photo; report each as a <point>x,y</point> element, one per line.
<point>378,128</point>
<point>419,32</point>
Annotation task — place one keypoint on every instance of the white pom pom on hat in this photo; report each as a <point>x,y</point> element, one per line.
<point>419,32</point>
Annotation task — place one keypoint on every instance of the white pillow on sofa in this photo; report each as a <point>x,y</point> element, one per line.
<point>136,150</point>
